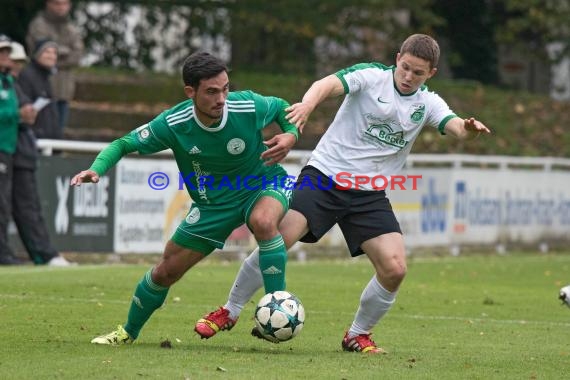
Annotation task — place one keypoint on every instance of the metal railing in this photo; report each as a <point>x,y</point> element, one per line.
<point>47,147</point>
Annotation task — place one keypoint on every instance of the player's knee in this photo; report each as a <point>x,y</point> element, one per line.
<point>264,227</point>
<point>395,274</point>
<point>399,273</point>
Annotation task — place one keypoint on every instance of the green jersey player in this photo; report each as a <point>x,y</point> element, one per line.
<point>231,174</point>
<point>384,110</point>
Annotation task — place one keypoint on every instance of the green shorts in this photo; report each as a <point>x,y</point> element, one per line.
<point>206,227</point>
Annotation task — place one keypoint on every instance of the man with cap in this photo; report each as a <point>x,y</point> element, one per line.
<point>9,119</point>
<point>26,206</point>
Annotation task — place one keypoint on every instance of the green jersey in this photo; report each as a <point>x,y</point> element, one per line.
<point>220,163</point>
<point>9,114</point>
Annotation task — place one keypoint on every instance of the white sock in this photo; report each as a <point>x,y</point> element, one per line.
<point>375,301</point>
<point>247,282</point>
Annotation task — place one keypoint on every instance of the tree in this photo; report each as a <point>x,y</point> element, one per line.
<point>470,31</point>
<point>263,35</point>
<point>131,34</point>
<point>532,25</point>
<point>281,36</point>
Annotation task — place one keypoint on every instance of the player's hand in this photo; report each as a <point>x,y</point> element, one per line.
<point>298,114</point>
<point>279,147</point>
<point>86,176</point>
<point>473,125</point>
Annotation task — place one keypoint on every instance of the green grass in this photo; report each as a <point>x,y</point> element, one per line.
<point>476,317</point>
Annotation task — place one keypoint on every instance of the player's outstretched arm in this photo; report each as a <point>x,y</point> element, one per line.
<point>320,90</point>
<point>105,160</point>
<point>465,128</point>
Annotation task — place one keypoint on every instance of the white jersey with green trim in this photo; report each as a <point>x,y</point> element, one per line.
<point>375,127</point>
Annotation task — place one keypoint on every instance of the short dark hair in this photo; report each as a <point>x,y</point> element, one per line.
<point>201,65</point>
<point>422,46</point>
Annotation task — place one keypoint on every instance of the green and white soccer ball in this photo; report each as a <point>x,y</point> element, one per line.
<point>279,316</point>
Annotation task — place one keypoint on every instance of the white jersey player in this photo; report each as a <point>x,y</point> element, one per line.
<point>383,112</point>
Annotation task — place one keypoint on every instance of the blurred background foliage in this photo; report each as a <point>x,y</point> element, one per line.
<point>280,35</point>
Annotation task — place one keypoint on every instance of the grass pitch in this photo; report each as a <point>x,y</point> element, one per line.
<point>472,317</point>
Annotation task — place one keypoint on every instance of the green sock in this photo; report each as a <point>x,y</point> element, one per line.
<point>272,261</point>
<point>147,298</point>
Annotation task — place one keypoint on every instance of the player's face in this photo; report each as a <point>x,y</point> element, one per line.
<point>411,73</point>
<point>210,97</point>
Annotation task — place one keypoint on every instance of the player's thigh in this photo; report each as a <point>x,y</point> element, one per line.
<point>387,254</point>
<point>265,208</point>
<point>317,204</point>
<point>370,215</point>
<point>293,227</point>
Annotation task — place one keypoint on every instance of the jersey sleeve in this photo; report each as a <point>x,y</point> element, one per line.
<point>359,77</point>
<point>152,137</point>
<point>439,114</point>
<point>146,139</point>
<point>272,109</point>
<point>109,156</point>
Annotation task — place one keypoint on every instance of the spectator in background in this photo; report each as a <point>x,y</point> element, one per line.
<point>9,118</point>
<point>54,23</point>
<point>34,82</point>
<point>26,206</point>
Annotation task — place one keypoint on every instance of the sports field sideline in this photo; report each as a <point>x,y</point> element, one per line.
<point>468,317</point>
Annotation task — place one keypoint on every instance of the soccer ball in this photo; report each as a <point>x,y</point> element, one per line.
<point>279,316</point>
<point>565,295</point>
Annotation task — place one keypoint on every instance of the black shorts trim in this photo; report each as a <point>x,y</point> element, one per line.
<point>361,215</point>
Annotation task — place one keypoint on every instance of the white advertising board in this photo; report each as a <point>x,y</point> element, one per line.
<point>422,208</point>
<point>435,206</point>
<point>502,206</point>
<point>149,204</point>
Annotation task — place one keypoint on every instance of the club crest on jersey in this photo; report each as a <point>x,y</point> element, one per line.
<point>236,146</point>
<point>193,216</point>
<point>417,112</point>
<point>142,132</point>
